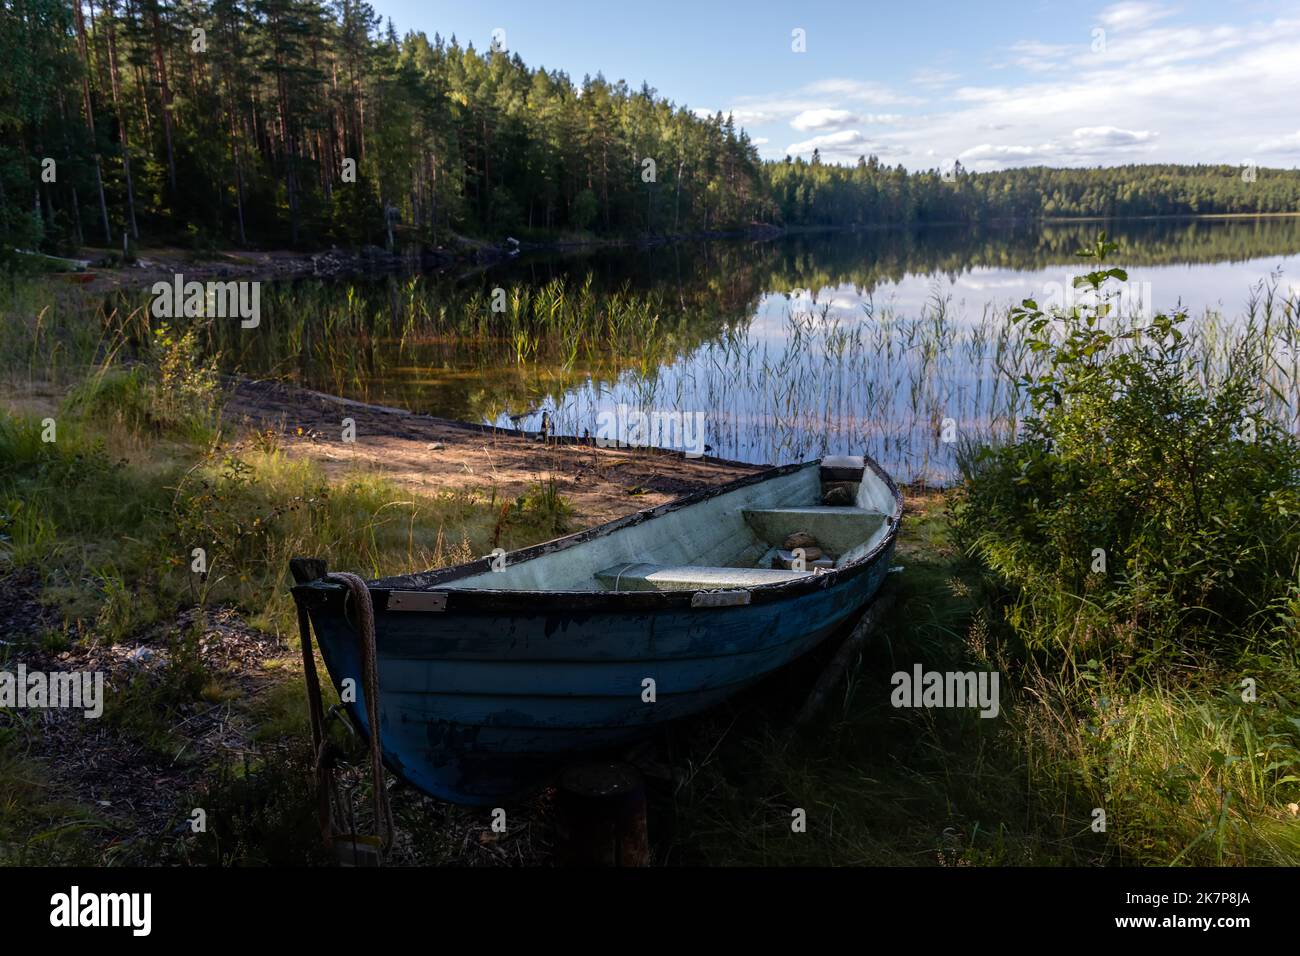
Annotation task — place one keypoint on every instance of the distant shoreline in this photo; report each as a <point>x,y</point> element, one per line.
<point>1176,216</point>
<point>163,262</point>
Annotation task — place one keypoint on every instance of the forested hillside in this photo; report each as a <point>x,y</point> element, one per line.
<point>823,194</point>
<point>301,123</point>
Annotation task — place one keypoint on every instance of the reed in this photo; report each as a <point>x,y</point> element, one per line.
<point>780,379</point>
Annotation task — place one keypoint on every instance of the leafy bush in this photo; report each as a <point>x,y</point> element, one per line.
<point>586,207</point>
<point>174,391</point>
<point>186,382</point>
<point>1149,508</point>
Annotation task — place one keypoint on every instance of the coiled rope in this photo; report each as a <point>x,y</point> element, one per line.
<point>327,793</point>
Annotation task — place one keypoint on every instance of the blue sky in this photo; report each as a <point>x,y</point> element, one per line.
<point>991,84</point>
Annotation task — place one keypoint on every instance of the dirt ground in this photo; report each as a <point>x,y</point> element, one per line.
<point>428,455</point>
<point>165,262</point>
<point>134,797</point>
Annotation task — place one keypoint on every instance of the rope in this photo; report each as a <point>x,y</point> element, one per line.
<point>329,805</point>
<point>370,679</point>
<point>619,577</point>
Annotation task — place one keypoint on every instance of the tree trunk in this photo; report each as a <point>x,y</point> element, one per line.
<point>80,21</point>
<point>122,134</point>
<point>160,65</point>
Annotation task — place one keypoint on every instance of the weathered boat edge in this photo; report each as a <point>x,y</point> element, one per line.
<point>318,594</point>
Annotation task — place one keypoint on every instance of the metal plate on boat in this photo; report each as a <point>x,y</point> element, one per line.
<point>719,598</point>
<point>417,601</point>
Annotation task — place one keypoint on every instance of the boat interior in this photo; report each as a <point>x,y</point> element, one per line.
<point>743,538</point>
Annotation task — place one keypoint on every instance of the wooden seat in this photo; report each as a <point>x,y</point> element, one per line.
<point>836,528</point>
<point>688,577</point>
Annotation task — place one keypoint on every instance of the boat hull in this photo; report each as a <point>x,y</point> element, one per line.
<point>479,703</point>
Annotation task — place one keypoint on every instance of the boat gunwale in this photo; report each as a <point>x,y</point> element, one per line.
<point>321,594</point>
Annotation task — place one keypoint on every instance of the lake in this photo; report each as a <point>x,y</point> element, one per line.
<point>892,342</point>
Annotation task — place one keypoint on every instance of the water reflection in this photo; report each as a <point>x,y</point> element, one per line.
<point>804,345</point>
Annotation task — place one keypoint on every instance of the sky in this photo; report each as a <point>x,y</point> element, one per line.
<point>928,82</point>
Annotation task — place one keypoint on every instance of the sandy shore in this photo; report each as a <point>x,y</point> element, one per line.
<point>427,455</point>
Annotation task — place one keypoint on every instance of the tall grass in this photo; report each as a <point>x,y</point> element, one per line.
<point>143,472</point>
<point>87,518</point>
<point>392,343</point>
<point>1185,770</point>
<point>777,380</point>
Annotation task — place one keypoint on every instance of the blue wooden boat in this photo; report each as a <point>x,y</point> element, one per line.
<point>493,673</point>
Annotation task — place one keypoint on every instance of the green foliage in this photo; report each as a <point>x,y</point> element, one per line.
<point>260,813</point>
<point>1176,473</point>
<point>1194,775</point>
<point>586,207</point>
<point>450,139</point>
<point>185,380</point>
<point>173,391</point>
<point>1187,771</point>
<point>153,701</point>
<point>822,194</point>
<point>247,142</point>
<point>38,826</point>
<point>546,507</point>
<point>115,537</point>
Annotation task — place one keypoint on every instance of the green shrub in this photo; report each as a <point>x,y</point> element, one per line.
<point>117,394</point>
<point>1149,508</point>
<point>174,391</point>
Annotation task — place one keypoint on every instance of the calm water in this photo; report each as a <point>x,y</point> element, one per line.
<point>883,341</point>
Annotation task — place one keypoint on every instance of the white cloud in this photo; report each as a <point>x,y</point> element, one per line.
<point>934,78</point>
<point>1283,144</point>
<point>1212,90</point>
<point>822,95</point>
<point>810,120</point>
<point>1038,57</point>
<point>860,91</point>
<point>849,143</point>
<point>981,94</point>
<point>753,117</point>
<point>1111,137</point>
<point>1086,142</point>
<point>1164,89</point>
<point>1001,154</point>
<point>1132,15</point>
<point>828,119</point>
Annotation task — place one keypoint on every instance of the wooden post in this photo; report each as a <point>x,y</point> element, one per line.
<point>306,570</point>
<point>840,662</point>
<point>601,816</point>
